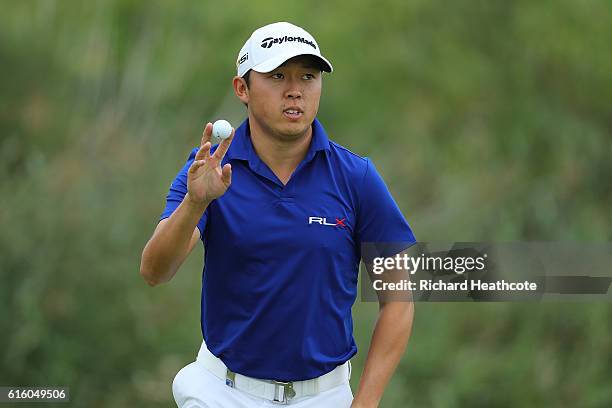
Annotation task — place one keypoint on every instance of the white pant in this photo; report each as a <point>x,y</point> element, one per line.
<point>196,387</point>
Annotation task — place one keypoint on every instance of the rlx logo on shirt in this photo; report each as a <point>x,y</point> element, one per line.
<point>323,221</point>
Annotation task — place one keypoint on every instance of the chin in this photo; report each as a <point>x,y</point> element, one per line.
<point>293,130</point>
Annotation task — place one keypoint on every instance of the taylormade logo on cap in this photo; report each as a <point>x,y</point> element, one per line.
<point>271,45</point>
<point>268,42</point>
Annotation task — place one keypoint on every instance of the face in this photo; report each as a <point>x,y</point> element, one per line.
<point>284,102</point>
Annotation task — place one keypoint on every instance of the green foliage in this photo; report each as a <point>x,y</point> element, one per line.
<point>489,120</point>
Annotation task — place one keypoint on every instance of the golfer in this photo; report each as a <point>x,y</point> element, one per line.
<point>282,212</point>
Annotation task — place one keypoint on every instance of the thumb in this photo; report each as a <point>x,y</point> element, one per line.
<point>226,174</point>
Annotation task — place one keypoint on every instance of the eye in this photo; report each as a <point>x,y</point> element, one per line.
<point>308,76</point>
<point>277,75</point>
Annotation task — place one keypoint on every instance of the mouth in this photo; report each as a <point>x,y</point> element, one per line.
<point>293,113</point>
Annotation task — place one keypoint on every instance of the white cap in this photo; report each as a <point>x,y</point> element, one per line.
<point>273,44</point>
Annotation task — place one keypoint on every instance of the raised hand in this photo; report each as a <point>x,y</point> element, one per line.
<point>206,180</point>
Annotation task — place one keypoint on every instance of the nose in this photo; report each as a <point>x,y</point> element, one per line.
<point>294,93</point>
<point>293,90</point>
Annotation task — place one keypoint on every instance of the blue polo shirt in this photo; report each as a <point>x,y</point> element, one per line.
<point>281,261</point>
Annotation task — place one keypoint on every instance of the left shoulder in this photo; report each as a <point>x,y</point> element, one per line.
<point>346,153</point>
<point>347,160</point>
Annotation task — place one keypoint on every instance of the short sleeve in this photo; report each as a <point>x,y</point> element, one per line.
<point>381,228</point>
<point>178,190</point>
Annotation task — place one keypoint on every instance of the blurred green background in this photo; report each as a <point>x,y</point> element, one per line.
<point>489,120</point>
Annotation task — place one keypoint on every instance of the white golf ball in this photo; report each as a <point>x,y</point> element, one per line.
<point>222,129</point>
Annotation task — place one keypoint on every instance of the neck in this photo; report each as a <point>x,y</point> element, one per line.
<point>281,154</point>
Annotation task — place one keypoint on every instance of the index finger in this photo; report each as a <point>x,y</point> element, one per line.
<point>223,146</point>
<point>207,134</point>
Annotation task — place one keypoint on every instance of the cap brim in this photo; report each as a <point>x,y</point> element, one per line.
<point>275,62</point>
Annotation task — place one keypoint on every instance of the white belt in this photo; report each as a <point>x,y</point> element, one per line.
<point>276,391</point>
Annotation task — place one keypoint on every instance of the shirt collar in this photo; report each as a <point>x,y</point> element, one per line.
<point>242,147</point>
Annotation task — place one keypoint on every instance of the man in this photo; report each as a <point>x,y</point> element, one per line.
<point>282,212</point>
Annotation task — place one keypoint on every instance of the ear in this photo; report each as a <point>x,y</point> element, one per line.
<point>241,89</point>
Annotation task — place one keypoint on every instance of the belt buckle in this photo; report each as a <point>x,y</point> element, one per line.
<point>283,392</point>
<point>230,378</point>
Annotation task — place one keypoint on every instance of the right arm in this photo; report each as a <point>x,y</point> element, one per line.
<point>173,240</point>
<point>175,237</point>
